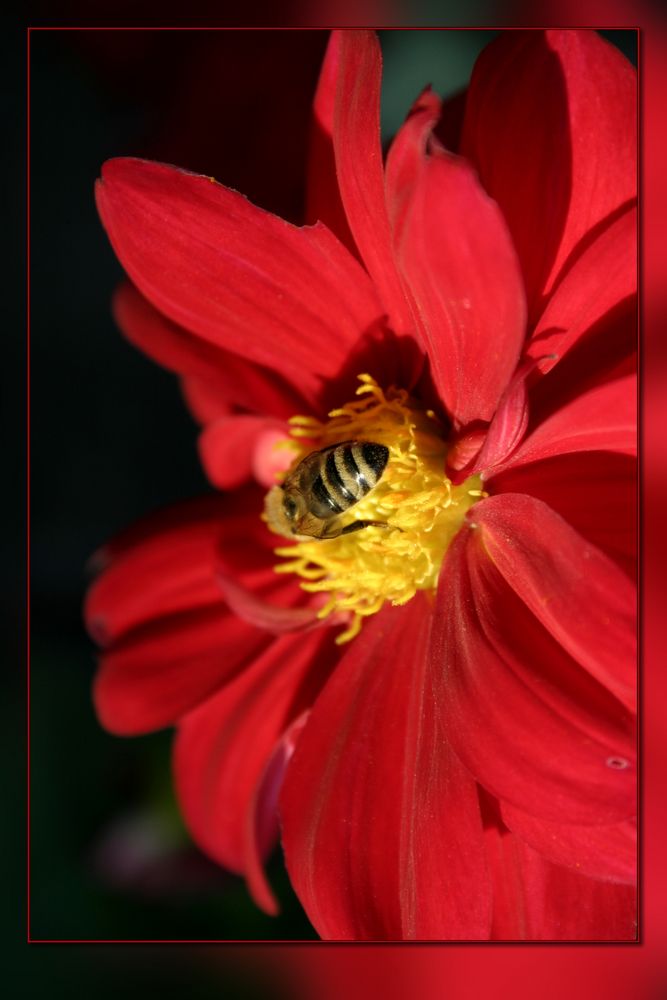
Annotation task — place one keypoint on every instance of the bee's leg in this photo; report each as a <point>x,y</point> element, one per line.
<point>358,525</point>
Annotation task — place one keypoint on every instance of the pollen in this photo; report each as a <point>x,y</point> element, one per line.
<point>419,509</point>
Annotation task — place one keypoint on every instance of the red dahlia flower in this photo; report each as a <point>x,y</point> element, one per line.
<point>461,765</point>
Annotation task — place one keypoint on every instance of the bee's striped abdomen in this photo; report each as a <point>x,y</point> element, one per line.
<point>325,502</point>
<point>350,471</point>
<point>370,460</point>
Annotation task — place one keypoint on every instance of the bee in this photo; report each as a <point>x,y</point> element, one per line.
<point>324,486</point>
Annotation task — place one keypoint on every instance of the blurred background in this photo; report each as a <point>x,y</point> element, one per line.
<point>111,439</point>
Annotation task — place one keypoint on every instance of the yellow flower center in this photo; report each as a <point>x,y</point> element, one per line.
<point>419,507</point>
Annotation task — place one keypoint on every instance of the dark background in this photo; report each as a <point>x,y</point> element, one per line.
<point>111,439</point>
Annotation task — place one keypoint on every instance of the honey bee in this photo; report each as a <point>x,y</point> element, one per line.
<point>324,486</point>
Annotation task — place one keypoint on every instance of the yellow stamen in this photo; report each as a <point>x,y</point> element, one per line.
<point>362,570</point>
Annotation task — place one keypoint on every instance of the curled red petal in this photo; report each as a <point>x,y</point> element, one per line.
<point>256,610</point>
<point>532,725</point>
<point>507,427</point>
<point>406,153</point>
<point>604,418</point>
<point>381,825</point>
<point>535,900</point>
<point>262,818</point>
<point>502,436</point>
<point>587,604</point>
<point>607,851</point>
<point>222,747</point>
<point>458,257</point>
<point>208,259</point>
<point>464,449</point>
<point>550,123</point>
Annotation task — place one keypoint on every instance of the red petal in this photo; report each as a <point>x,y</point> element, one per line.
<point>291,299</point>
<point>207,508</point>
<point>162,670</point>
<point>163,341</point>
<point>356,134</point>
<point>606,852</point>
<point>458,258</point>
<point>550,124</point>
<point>236,448</point>
<point>538,901</point>
<point>226,375</point>
<point>583,599</point>
<point>204,400</point>
<point>602,419</point>
<point>166,570</point>
<point>530,723</point>
<point>381,824</point>
<point>160,609</point>
<point>603,276</point>
<point>323,201</point>
<point>223,746</point>
<point>595,492</point>
<point>168,562</point>
<point>605,353</point>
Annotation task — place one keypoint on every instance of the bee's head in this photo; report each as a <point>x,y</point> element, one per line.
<point>293,507</point>
<point>286,513</point>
